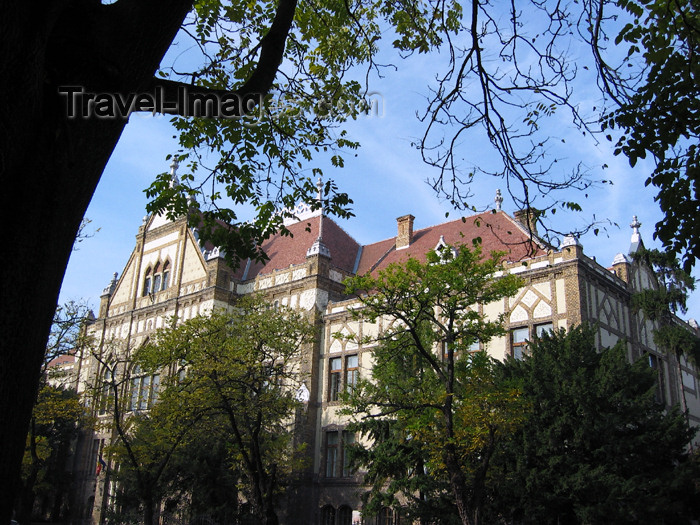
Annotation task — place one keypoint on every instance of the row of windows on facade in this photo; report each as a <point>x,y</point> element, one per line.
<point>157,278</point>
<point>143,390</point>
<point>343,372</point>
<point>344,515</point>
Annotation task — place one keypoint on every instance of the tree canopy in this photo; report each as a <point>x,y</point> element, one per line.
<point>595,446</point>
<point>242,370</point>
<point>432,399</point>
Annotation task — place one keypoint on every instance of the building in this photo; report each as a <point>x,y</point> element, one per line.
<point>169,275</point>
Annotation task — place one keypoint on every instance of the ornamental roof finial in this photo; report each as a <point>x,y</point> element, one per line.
<point>174,165</point>
<point>498,200</point>
<point>635,224</point>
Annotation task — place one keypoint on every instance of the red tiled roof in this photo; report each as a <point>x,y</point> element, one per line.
<point>498,232</point>
<point>285,251</point>
<point>61,360</point>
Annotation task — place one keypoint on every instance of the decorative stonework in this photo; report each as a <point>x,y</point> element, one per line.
<point>518,315</point>
<point>529,298</point>
<point>542,310</point>
<point>299,274</point>
<point>282,278</point>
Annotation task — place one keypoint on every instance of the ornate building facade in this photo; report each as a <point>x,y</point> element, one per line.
<point>169,275</point>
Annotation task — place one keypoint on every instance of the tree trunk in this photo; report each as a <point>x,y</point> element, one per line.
<point>50,166</point>
<point>148,510</point>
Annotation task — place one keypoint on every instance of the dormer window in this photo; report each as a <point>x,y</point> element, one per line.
<point>444,250</point>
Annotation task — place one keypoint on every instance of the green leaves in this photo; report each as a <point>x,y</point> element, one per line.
<point>433,408</point>
<point>660,115</point>
<point>242,369</point>
<point>595,446</point>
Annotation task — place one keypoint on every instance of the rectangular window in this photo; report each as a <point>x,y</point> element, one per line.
<point>331,454</point>
<point>543,328</point>
<point>143,392</point>
<point>155,385</point>
<point>519,339</point>
<point>335,372</point>
<point>688,380</point>
<point>348,439</point>
<point>135,388</point>
<point>352,372</point>
<point>657,364</point>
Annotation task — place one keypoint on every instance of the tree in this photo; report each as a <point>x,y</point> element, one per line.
<point>243,367</point>
<point>428,386</point>
<point>661,304</point>
<point>113,49</point>
<point>67,335</point>
<point>145,434</point>
<point>56,416</point>
<point>55,421</point>
<point>657,112</point>
<point>595,446</point>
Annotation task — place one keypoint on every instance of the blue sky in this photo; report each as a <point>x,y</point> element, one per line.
<point>385,178</point>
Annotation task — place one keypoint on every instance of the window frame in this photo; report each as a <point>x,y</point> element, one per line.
<point>518,349</point>
<point>156,278</point>
<point>332,453</point>
<point>334,377</point>
<point>341,376</point>
<point>143,389</point>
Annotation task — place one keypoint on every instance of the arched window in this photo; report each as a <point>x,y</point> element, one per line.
<point>147,282</point>
<point>166,275</point>
<point>156,278</point>
<point>144,389</point>
<point>344,515</point>
<point>328,515</point>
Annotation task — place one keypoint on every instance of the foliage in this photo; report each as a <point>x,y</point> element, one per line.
<point>67,335</point>
<point>595,446</point>
<point>205,475</point>
<point>658,115</point>
<point>146,445</point>
<point>54,424</point>
<point>431,398</point>
<point>242,367</point>
<point>661,303</point>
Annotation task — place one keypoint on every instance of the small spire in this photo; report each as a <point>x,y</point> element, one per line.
<point>319,247</point>
<point>570,240</point>
<point>636,240</point>
<point>174,165</point>
<point>111,286</point>
<point>498,200</point>
<point>319,186</point>
<point>635,224</point>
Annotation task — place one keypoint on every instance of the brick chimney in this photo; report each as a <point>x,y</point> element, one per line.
<point>528,218</point>
<point>405,235</point>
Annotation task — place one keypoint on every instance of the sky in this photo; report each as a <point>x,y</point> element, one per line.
<point>385,178</point>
